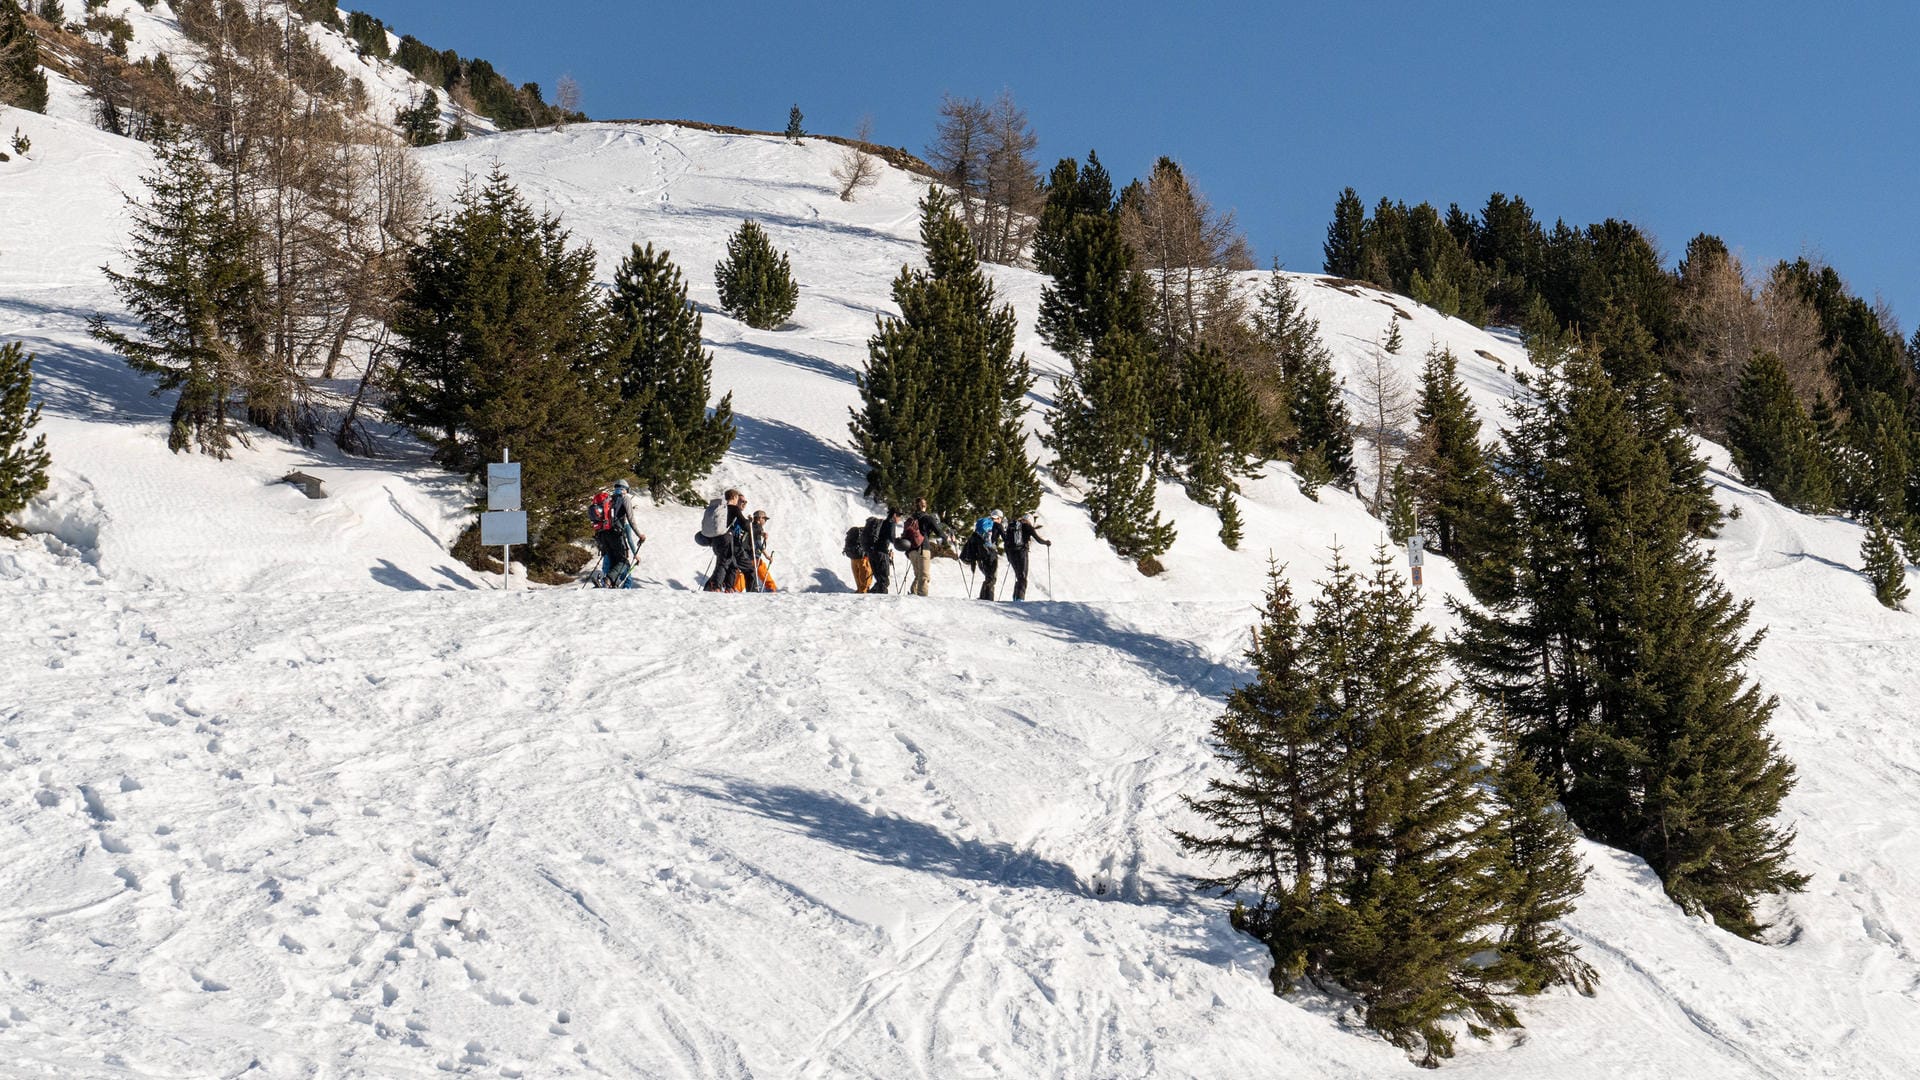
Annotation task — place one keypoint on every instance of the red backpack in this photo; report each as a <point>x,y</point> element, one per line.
<point>600,512</point>
<point>910,533</point>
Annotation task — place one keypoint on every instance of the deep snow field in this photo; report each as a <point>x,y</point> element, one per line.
<point>286,791</point>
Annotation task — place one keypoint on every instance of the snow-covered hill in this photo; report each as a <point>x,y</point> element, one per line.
<point>287,792</point>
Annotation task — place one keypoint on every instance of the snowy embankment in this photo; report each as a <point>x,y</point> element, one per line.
<point>282,790</point>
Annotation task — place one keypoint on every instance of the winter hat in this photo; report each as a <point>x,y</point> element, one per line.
<point>998,515</point>
<point>620,484</point>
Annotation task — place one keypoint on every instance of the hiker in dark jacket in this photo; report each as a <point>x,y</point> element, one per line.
<point>1020,540</point>
<point>717,532</point>
<point>880,551</point>
<point>922,532</point>
<point>989,536</point>
<point>746,551</point>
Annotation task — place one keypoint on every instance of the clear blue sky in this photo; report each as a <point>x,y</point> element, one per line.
<point>1786,128</point>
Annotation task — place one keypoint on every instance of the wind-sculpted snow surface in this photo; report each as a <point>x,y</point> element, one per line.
<point>284,793</point>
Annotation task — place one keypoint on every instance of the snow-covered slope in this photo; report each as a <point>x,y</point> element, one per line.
<point>284,794</point>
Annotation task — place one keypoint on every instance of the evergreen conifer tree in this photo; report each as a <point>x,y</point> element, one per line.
<point>1774,443</point>
<point>943,396</point>
<point>22,83</point>
<point>1629,355</point>
<point>23,464</point>
<point>500,335</point>
<point>1217,433</point>
<point>1352,812</point>
<point>1542,877</point>
<point>1321,440</point>
<point>1618,654</point>
<point>1403,515</point>
<point>654,352</point>
<point>1345,236</point>
<point>1099,415</point>
<point>1883,565</point>
<point>194,287</point>
<point>794,130</point>
<point>755,282</point>
<point>1460,506</point>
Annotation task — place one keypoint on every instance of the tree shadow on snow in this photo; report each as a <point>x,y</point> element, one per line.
<point>783,447</point>
<point>794,358</point>
<point>1179,662</point>
<point>889,840</point>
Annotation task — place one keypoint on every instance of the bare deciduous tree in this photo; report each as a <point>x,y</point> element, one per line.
<point>856,168</point>
<point>1725,320</point>
<point>1190,251</point>
<point>984,155</point>
<point>566,96</point>
<point>1386,410</point>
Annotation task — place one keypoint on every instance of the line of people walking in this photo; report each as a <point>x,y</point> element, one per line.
<point>743,559</point>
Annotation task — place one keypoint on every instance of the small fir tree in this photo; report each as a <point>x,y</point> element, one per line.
<point>1402,515</point>
<point>1320,442</point>
<point>756,282</point>
<point>654,351</point>
<point>1344,236</point>
<point>1217,432</point>
<point>420,124</point>
<point>193,285</point>
<point>794,130</point>
<point>23,464</point>
<point>1883,565</point>
<point>944,396</point>
<point>1460,506</point>
<point>1099,414</point>
<point>1774,442</point>
<point>1542,878</point>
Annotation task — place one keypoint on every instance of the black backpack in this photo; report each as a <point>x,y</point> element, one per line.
<point>856,543</point>
<point>870,538</point>
<point>973,551</point>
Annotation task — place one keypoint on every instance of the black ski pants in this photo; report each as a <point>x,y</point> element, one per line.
<point>1017,558</point>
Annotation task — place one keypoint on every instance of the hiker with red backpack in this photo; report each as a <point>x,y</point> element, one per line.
<point>616,535</point>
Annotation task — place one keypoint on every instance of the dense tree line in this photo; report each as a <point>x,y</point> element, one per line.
<point>469,81</point>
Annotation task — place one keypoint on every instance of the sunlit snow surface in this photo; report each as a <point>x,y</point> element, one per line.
<point>287,791</point>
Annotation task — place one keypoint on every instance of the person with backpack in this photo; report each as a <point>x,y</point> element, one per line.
<point>983,549</point>
<point>763,562</point>
<point>922,531</point>
<point>881,534</point>
<point>855,550</point>
<point>746,551</point>
<point>616,535</point>
<point>1020,540</point>
<point>719,527</point>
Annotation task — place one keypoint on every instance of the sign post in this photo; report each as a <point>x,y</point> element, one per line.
<point>1416,556</point>
<point>504,523</point>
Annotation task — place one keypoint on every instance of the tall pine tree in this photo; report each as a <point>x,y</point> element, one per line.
<point>1217,434</point>
<point>193,285</point>
<point>943,397</point>
<point>755,282</point>
<point>22,83</point>
<point>500,340</point>
<point>1619,655</point>
<point>1542,877</point>
<point>1342,250</point>
<point>654,352</point>
<point>1883,565</point>
<point>23,464</point>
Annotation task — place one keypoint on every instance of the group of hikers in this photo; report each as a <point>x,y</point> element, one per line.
<point>743,561</point>
<point>869,549</point>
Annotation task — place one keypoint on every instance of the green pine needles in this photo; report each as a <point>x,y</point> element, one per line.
<point>1883,565</point>
<point>653,349</point>
<point>23,464</point>
<point>1356,830</point>
<point>943,400</point>
<point>756,282</point>
<point>1617,655</point>
<point>1320,442</point>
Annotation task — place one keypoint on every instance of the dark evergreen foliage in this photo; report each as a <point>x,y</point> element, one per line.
<point>755,281</point>
<point>1319,441</point>
<point>1882,564</point>
<point>22,83</point>
<point>1217,433</point>
<point>1460,506</point>
<point>510,108</point>
<point>500,332</point>
<point>1351,812</point>
<point>663,371</point>
<point>794,130</point>
<point>23,463</point>
<point>196,291</point>
<point>943,396</point>
<point>1542,878</point>
<point>420,124</point>
<point>1774,442</point>
<point>369,36</point>
<point>1343,246</point>
<point>1618,654</point>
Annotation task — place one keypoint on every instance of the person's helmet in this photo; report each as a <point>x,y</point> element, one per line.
<point>620,484</point>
